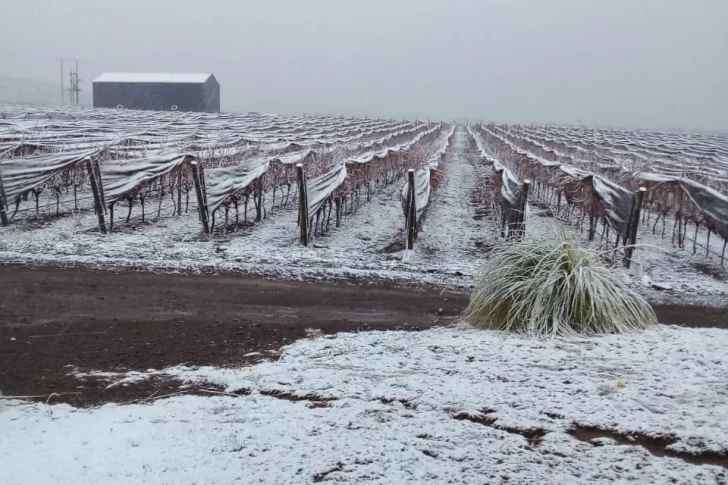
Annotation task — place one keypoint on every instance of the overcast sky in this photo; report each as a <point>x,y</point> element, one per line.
<point>631,63</point>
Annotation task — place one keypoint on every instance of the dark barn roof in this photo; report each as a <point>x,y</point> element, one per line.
<point>157,91</point>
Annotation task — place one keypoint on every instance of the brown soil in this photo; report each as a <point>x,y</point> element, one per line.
<point>657,446</point>
<point>398,244</point>
<point>533,436</point>
<point>54,320</point>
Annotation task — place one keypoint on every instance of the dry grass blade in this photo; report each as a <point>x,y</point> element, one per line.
<point>549,287</point>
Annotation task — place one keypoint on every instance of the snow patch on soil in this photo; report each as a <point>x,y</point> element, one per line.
<point>438,406</point>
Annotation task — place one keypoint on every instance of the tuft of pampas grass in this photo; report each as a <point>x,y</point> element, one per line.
<point>549,287</point>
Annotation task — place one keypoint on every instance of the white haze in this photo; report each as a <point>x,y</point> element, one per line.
<point>647,63</point>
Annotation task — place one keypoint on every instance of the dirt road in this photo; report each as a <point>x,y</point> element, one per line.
<point>54,320</point>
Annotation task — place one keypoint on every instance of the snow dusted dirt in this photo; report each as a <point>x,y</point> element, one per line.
<point>55,320</point>
<point>450,232</point>
<point>438,406</point>
<point>435,406</point>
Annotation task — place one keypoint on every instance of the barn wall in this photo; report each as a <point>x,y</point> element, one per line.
<point>150,96</point>
<point>211,95</point>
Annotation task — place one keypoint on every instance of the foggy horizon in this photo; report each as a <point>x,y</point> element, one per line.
<point>651,65</point>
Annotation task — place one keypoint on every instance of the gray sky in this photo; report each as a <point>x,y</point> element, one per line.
<point>632,63</point>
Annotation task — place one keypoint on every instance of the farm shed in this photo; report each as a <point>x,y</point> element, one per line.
<point>157,91</point>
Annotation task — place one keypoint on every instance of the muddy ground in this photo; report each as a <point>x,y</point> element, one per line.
<point>54,320</point>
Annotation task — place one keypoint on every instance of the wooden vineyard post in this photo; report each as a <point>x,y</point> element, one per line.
<point>592,226</point>
<point>3,204</point>
<point>98,202</point>
<point>521,210</point>
<point>198,177</point>
<point>203,185</point>
<point>558,202</point>
<point>179,192</point>
<point>634,219</point>
<point>302,203</point>
<point>411,222</point>
<point>99,181</point>
<point>337,201</point>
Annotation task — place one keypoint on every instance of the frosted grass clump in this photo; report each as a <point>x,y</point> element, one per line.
<point>549,287</point>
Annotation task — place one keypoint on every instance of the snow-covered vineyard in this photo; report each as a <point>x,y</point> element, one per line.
<point>247,193</point>
<point>316,198</point>
<point>224,160</point>
<point>597,173</point>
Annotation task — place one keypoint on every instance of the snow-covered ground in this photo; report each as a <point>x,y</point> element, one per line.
<point>445,254</point>
<point>450,232</point>
<point>440,406</point>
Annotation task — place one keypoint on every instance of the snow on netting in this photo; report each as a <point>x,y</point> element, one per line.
<point>121,177</point>
<point>712,204</point>
<point>507,184</point>
<point>685,175</point>
<point>294,157</point>
<point>423,178</point>
<point>321,187</point>
<point>423,188</point>
<point>385,152</point>
<point>19,175</point>
<point>220,183</point>
<point>615,201</point>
